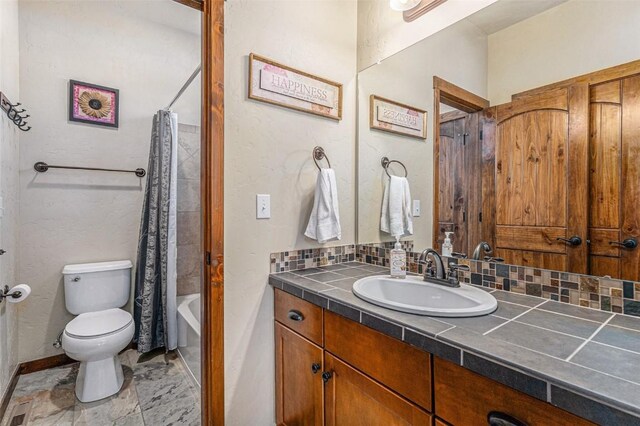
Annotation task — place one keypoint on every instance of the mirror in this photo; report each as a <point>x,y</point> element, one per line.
<point>532,142</point>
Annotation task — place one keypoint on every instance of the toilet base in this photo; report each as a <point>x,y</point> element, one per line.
<point>99,379</point>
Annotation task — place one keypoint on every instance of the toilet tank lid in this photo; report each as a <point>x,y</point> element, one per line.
<point>82,268</point>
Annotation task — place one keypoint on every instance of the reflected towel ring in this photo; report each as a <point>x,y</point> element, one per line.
<point>318,154</point>
<point>386,163</point>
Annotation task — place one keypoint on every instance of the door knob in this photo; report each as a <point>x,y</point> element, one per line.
<point>326,376</point>
<point>315,367</point>
<point>629,243</point>
<point>574,240</point>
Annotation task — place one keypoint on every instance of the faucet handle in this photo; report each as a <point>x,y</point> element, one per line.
<point>458,267</point>
<point>453,273</point>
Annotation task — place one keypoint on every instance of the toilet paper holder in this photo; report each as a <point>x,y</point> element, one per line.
<point>5,293</point>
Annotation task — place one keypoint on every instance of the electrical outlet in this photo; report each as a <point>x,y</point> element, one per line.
<point>263,206</point>
<point>416,208</point>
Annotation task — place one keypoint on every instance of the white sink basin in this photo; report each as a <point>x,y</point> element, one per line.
<point>415,296</point>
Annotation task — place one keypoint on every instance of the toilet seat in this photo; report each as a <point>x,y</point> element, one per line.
<point>93,325</point>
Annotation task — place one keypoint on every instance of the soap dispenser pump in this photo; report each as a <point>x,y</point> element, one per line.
<point>398,259</point>
<point>447,246</point>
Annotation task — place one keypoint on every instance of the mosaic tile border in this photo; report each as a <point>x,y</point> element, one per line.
<point>294,260</point>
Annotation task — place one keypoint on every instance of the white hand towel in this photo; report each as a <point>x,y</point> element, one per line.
<point>324,222</point>
<point>396,218</point>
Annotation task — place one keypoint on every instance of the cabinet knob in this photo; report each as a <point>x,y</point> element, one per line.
<point>496,418</point>
<point>295,315</point>
<point>315,367</point>
<point>326,376</point>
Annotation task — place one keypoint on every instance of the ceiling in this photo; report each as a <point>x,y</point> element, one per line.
<point>504,13</point>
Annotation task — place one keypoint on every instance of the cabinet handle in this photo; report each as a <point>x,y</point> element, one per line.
<point>496,418</point>
<point>629,243</point>
<point>295,315</point>
<point>574,240</point>
<point>326,376</point>
<point>315,367</point>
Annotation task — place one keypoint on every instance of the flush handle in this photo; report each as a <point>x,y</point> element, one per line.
<point>496,418</point>
<point>75,279</point>
<point>295,315</point>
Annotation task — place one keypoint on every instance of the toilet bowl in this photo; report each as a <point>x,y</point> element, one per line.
<point>95,339</point>
<point>95,292</point>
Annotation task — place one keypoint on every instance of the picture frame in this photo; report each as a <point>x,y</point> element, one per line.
<point>93,104</point>
<point>395,117</point>
<point>285,86</point>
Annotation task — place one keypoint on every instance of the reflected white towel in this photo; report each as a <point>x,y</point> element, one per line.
<point>396,207</point>
<point>324,222</point>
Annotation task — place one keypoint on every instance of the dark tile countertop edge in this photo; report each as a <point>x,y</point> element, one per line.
<point>471,350</point>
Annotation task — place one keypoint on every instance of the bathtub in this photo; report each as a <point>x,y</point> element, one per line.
<point>189,333</point>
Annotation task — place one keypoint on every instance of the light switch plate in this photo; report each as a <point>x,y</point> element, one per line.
<point>263,206</point>
<point>416,208</point>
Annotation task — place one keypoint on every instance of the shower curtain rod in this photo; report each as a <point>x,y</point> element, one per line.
<point>184,87</point>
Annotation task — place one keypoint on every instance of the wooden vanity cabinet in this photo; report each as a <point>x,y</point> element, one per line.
<point>466,398</point>
<point>332,370</point>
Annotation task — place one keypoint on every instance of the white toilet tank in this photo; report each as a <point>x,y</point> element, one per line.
<point>91,287</point>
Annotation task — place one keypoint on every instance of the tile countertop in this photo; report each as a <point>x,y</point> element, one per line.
<point>582,360</point>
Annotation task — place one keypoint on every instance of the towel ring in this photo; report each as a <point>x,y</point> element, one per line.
<point>318,154</point>
<point>386,163</point>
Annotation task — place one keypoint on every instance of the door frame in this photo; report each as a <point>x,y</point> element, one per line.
<point>212,200</point>
<point>463,100</point>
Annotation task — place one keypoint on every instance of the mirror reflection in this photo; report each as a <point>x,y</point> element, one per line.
<point>533,138</point>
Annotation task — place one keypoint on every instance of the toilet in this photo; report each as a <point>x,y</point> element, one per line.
<point>95,292</point>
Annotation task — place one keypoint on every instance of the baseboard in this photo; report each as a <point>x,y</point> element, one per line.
<point>6,397</point>
<point>45,363</point>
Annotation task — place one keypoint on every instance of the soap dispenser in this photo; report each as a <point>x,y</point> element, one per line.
<point>447,247</point>
<point>398,261</point>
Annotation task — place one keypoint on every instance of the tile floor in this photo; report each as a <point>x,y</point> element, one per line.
<point>157,391</point>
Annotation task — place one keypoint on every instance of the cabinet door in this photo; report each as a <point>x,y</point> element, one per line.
<point>353,399</point>
<point>298,379</point>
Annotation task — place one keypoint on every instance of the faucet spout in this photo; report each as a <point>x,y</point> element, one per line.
<point>480,248</point>
<point>428,272</point>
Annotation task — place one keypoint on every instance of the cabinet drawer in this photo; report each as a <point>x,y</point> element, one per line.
<point>351,398</point>
<point>299,315</point>
<point>466,398</point>
<point>400,367</point>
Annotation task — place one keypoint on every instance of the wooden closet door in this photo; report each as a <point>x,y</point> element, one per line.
<point>614,178</point>
<point>541,145</point>
<point>460,181</point>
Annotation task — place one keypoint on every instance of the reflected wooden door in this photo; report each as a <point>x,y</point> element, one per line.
<point>614,178</point>
<point>541,195</point>
<point>460,182</point>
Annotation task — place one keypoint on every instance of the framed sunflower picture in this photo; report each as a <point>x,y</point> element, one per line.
<point>93,104</point>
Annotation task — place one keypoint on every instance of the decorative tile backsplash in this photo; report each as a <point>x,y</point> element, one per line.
<point>311,258</point>
<point>601,293</point>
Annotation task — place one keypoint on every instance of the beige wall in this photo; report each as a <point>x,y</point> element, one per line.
<point>268,150</point>
<point>407,77</point>
<point>382,32</point>
<point>77,216</point>
<point>575,38</point>
<point>8,189</point>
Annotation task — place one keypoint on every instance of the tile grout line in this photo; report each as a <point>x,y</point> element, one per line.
<point>514,318</point>
<point>590,337</point>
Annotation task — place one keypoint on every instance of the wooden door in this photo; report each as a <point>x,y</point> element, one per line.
<point>541,144</point>
<point>299,387</point>
<point>353,399</point>
<point>460,181</point>
<point>614,178</point>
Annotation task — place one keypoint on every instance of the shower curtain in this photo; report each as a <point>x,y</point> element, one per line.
<point>156,275</point>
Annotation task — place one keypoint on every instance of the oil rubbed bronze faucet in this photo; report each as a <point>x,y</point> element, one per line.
<point>483,246</point>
